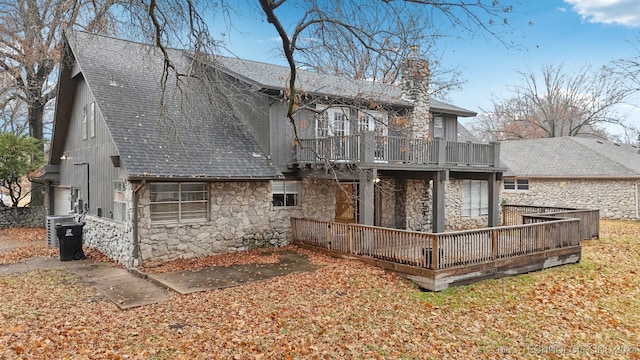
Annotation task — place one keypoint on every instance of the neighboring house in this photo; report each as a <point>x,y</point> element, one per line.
<point>213,165</point>
<point>573,172</point>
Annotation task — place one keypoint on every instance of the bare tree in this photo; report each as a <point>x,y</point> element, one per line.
<point>329,22</point>
<point>377,33</point>
<point>29,35</point>
<point>557,103</point>
<point>393,34</point>
<point>30,32</point>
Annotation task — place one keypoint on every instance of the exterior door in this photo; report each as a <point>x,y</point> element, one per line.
<point>376,121</point>
<point>61,200</point>
<point>334,126</point>
<point>346,203</point>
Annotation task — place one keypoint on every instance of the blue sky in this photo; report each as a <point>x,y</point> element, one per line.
<point>548,32</point>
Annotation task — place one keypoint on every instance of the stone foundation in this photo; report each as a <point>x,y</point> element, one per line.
<point>22,217</point>
<point>241,217</point>
<point>616,199</point>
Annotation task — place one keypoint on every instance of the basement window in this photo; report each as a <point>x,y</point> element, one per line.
<point>179,202</point>
<point>285,193</point>
<point>516,184</point>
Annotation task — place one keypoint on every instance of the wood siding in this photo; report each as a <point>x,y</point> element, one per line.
<point>253,110</point>
<point>91,155</point>
<point>283,147</point>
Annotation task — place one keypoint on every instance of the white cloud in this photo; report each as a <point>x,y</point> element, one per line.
<point>270,40</point>
<point>622,12</point>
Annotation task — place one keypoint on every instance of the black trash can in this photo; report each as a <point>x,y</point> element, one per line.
<point>70,238</point>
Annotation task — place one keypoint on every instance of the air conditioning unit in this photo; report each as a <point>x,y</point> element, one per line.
<point>52,237</point>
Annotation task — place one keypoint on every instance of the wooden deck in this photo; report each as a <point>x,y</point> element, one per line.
<point>436,261</point>
<point>526,214</point>
<point>369,148</point>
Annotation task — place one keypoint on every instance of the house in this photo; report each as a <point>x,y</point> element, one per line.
<point>209,163</point>
<point>573,172</point>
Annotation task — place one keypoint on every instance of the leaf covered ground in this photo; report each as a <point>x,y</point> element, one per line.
<point>344,309</point>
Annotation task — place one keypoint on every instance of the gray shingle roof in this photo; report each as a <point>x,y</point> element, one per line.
<point>189,138</point>
<point>274,77</point>
<point>569,157</point>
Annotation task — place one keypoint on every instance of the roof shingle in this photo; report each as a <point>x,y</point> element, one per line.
<point>569,157</point>
<point>182,133</point>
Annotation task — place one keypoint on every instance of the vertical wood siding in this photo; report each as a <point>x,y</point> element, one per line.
<point>94,151</point>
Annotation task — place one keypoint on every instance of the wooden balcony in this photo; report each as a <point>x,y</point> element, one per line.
<point>436,261</point>
<point>369,148</point>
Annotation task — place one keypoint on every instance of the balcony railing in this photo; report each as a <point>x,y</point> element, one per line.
<point>369,148</point>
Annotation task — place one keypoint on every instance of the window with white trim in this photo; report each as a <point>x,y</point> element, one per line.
<point>285,193</point>
<point>92,119</point>
<point>333,121</point>
<point>179,202</point>
<point>516,184</point>
<point>119,202</point>
<point>475,198</point>
<point>438,127</point>
<point>84,123</point>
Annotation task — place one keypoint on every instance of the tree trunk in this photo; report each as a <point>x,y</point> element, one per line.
<point>36,114</point>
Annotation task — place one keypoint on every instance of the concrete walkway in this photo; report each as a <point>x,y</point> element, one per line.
<point>130,288</point>
<point>120,286</point>
<point>218,277</point>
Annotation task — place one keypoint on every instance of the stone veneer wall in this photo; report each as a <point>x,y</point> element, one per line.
<point>112,238</point>
<point>418,206</point>
<point>453,210</point>
<point>241,217</point>
<point>614,198</point>
<point>406,204</point>
<point>387,194</point>
<point>22,217</point>
<point>318,199</point>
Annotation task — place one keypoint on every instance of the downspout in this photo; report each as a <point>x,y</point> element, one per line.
<point>134,230</point>
<point>637,210</point>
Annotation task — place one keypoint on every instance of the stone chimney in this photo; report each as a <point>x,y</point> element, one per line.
<point>415,87</point>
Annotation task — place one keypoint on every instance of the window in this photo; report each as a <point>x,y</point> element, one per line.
<point>92,119</point>
<point>522,184</point>
<point>332,122</point>
<point>516,184</point>
<point>179,202</point>
<point>119,202</point>
<point>285,193</point>
<point>475,198</point>
<point>376,121</point>
<point>84,123</point>
<point>438,127</point>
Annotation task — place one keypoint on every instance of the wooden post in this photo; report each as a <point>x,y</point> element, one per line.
<point>442,150</point>
<point>405,148</point>
<point>496,154</point>
<point>434,254</point>
<point>494,244</point>
<point>366,195</point>
<point>494,200</point>
<point>439,184</point>
<point>367,147</point>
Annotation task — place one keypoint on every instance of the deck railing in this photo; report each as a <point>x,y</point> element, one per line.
<point>370,148</point>
<point>526,214</point>
<point>439,250</point>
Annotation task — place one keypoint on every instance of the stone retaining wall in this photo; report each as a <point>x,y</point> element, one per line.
<point>615,198</point>
<point>112,238</point>
<point>22,217</point>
